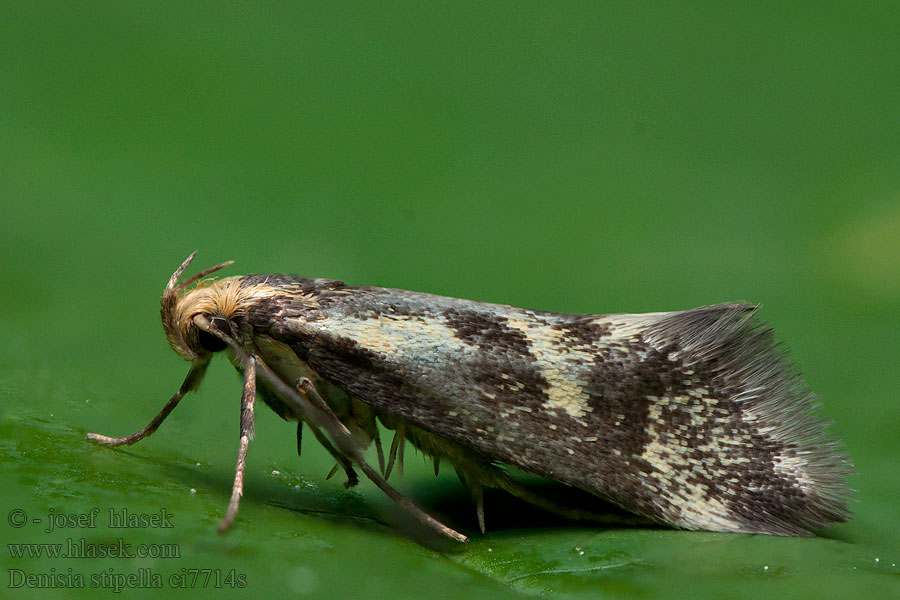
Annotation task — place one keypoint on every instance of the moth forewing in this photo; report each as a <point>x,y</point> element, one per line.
<point>692,418</point>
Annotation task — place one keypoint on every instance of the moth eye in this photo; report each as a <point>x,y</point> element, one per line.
<point>210,342</point>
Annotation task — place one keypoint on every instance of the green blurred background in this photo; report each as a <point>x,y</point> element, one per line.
<point>582,157</point>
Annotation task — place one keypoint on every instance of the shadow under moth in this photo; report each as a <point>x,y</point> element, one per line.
<point>694,419</point>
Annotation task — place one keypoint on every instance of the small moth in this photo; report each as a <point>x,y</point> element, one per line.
<point>693,419</point>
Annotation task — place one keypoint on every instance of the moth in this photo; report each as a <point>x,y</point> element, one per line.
<point>693,419</point>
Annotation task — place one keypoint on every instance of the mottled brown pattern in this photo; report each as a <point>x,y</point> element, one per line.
<point>691,418</point>
<point>487,331</point>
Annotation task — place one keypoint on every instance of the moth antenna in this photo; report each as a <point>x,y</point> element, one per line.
<point>169,303</point>
<point>248,402</point>
<point>191,381</point>
<point>304,409</point>
<point>379,451</point>
<point>201,275</point>
<point>177,274</point>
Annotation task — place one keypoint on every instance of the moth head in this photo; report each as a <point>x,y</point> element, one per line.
<point>211,304</point>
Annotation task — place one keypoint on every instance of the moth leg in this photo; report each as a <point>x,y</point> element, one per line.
<point>307,390</point>
<point>299,437</point>
<point>332,472</point>
<point>506,483</point>
<point>248,403</point>
<point>191,381</point>
<point>342,461</point>
<point>397,444</point>
<point>324,417</point>
<point>365,418</point>
<point>476,475</point>
<point>401,452</point>
<point>380,452</point>
<point>478,490</point>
